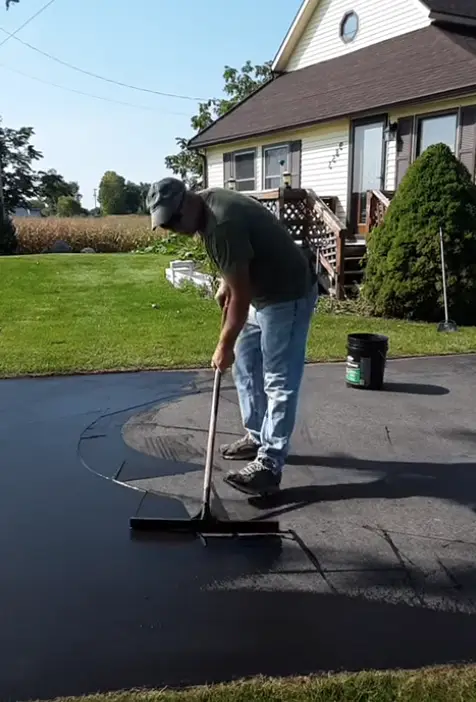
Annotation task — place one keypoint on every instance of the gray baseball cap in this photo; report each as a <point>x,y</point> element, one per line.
<point>164,200</point>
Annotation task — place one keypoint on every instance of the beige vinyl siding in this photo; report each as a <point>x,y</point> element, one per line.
<point>378,20</point>
<point>420,109</point>
<point>318,148</point>
<point>318,170</point>
<point>215,168</point>
<point>216,172</point>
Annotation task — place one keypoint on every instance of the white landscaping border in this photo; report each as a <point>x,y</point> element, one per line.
<point>180,272</point>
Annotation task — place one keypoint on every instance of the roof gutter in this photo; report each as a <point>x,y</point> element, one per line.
<point>453,19</point>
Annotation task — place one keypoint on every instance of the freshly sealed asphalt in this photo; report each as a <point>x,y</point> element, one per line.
<point>376,568</point>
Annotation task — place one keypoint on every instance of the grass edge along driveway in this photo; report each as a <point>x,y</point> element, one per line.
<point>449,684</point>
<point>63,314</point>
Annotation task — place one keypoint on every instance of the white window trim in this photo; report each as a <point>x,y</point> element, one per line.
<point>243,152</point>
<point>270,147</point>
<point>434,115</point>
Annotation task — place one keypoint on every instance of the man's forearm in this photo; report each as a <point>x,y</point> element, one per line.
<point>236,316</point>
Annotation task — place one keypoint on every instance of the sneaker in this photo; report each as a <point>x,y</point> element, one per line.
<point>244,449</point>
<point>257,478</point>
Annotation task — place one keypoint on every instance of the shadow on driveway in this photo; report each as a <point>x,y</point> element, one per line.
<point>446,481</point>
<point>415,389</point>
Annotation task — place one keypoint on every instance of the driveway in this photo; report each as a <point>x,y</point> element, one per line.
<point>375,570</point>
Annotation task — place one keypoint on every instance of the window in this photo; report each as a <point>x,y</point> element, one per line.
<point>275,163</point>
<point>244,162</point>
<point>349,27</point>
<point>440,129</point>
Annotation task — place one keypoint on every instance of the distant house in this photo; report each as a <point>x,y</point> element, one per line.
<point>360,88</point>
<point>27,212</point>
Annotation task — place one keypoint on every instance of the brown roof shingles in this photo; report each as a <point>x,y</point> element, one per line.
<point>426,63</point>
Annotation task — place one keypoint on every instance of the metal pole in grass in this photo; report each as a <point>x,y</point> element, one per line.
<point>448,325</point>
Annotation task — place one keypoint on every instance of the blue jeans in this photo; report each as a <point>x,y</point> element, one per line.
<point>270,355</point>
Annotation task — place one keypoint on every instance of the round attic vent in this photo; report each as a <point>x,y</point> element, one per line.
<point>349,27</point>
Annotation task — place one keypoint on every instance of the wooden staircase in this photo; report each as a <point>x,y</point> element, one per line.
<point>354,252</point>
<point>313,224</point>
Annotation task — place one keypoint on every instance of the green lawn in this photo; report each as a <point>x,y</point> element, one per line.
<point>437,685</point>
<point>69,313</point>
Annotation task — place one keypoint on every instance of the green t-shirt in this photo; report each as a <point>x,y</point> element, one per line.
<point>240,229</point>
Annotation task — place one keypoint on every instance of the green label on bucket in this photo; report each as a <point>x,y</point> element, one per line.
<point>352,374</point>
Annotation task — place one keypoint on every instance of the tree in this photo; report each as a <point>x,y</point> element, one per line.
<point>52,186</point>
<point>403,273</point>
<point>8,238</point>
<point>188,163</point>
<point>132,198</point>
<point>74,187</point>
<point>68,206</point>
<point>144,190</point>
<point>17,155</point>
<point>112,194</point>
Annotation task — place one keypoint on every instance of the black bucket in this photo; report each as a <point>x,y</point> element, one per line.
<point>366,359</point>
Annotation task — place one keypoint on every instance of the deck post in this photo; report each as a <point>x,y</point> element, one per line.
<point>340,264</point>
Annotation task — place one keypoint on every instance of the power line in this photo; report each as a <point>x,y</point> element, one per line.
<point>97,75</point>
<point>96,97</point>
<point>30,19</point>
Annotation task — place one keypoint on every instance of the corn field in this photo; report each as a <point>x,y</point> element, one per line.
<point>103,234</point>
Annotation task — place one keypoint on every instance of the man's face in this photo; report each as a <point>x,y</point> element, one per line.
<point>188,219</point>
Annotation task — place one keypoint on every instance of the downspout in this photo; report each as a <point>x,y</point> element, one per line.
<point>203,154</point>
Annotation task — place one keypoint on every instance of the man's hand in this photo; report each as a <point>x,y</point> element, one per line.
<point>224,357</point>
<point>223,294</point>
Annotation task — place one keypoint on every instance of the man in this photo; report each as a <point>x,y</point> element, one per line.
<point>269,290</point>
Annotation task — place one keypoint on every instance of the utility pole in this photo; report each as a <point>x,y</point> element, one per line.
<point>95,195</point>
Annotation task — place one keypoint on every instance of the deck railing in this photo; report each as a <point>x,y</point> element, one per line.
<point>312,223</point>
<point>378,202</point>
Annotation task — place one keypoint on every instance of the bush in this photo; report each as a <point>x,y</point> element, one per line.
<point>8,239</point>
<point>349,307</point>
<point>104,234</point>
<point>403,271</point>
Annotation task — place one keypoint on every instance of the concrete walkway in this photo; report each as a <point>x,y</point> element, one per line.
<point>378,570</point>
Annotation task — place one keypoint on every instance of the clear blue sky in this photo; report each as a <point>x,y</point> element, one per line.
<point>176,47</point>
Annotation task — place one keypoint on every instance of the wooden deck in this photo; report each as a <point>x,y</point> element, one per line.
<point>313,223</point>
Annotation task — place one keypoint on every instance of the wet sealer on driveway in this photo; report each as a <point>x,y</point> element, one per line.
<point>376,570</point>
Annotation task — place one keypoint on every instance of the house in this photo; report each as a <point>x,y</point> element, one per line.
<point>359,89</point>
<point>27,212</point>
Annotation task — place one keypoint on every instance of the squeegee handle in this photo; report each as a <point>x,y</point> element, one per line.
<point>212,430</point>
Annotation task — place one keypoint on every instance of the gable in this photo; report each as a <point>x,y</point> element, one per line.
<point>315,27</point>
<point>319,31</point>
